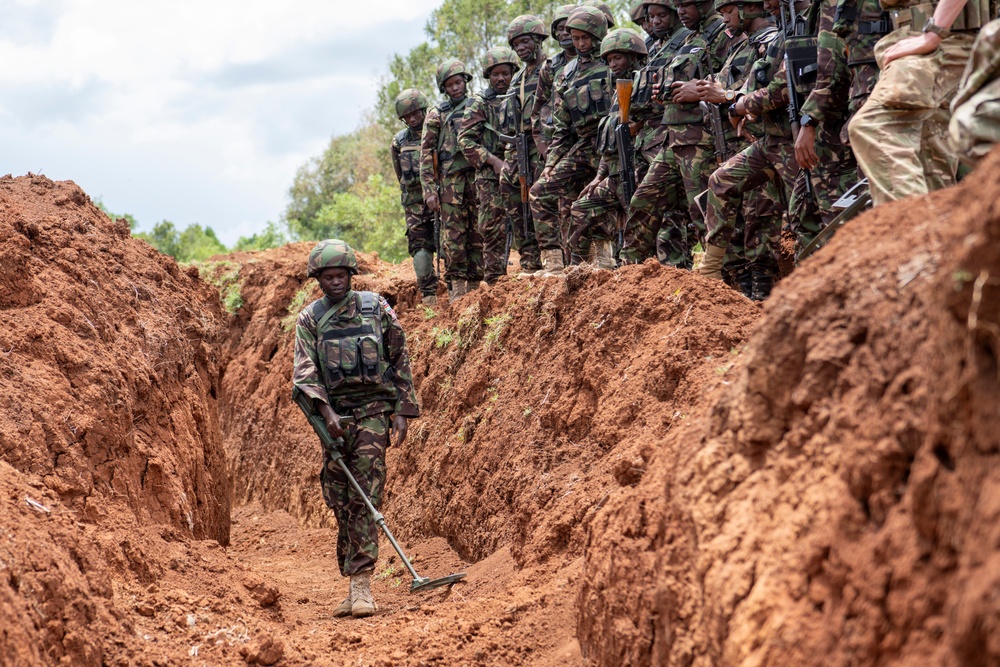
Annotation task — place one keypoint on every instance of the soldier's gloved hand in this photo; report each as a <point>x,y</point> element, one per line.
<point>398,428</point>
<point>805,147</point>
<point>433,203</point>
<point>332,420</point>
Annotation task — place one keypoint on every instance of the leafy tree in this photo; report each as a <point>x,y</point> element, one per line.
<point>193,244</point>
<point>271,237</point>
<point>128,217</point>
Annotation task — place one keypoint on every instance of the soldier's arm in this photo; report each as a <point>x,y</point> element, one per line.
<point>428,152</point>
<point>544,89</point>
<point>470,135</point>
<point>829,97</point>
<point>394,152</point>
<point>564,136</point>
<point>774,96</point>
<point>306,374</point>
<point>395,347</point>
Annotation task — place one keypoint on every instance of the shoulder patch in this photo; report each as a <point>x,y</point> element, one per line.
<point>386,308</point>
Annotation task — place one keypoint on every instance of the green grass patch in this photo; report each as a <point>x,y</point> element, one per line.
<point>494,329</point>
<point>295,307</point>
<point>224,276</point>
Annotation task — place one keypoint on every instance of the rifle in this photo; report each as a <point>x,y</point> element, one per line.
<point>625,145</point>
<point>851,203</point>
<point>525,176</point>
<point>437,218</point>
<point>510,242</point>
<point>723,151</point>
<point>793,101</point>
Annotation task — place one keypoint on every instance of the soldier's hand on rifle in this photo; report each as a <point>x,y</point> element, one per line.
<point>433,203</point>
<point>711,91</point>
<point>635,126</point>
<point>685,91</point>
<point>332,420</point>
<point>805,147</point>
<point>398,429</point>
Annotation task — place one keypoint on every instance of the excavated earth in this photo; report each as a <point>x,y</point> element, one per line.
<point>634,468</point>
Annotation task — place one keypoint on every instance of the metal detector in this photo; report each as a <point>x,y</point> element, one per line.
<point>331,445</point>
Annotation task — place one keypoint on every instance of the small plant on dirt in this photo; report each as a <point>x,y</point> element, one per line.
<point>295,307</point>
<point>722,370</point>
<point>960,278</point>
<point>495,326</point>
<point>386,572</point>
<point>429,313</point>
<point>527,412</point>
<point>443,337</point>
<point>445,386</point>
<point>225,276</point>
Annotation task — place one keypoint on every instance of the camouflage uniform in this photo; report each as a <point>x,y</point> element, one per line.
<point>405,152</point>
<point>975,122</point>
<point>462,245</point>
<point>900,135</point>
<point>582,99</point>
<point>681,168</point>
<point>479,139</point>
<point>352,356</point>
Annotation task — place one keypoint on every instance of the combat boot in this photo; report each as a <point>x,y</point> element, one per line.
<point>344,608</point>
<point>361,593</point>
<point>763,282</point>
<point>604,255</point>
<point>457,290</point>
<point>711,262</point>
<point>552,263</point>
<point>429,300</point>
<point>744,283</point>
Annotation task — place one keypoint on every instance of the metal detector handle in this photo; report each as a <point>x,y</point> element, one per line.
<point>331,445</point>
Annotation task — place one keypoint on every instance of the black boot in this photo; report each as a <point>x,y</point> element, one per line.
<point>743,281</point>
<point>762,282</point>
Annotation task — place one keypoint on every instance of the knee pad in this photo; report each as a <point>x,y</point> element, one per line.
<point>423,263</point>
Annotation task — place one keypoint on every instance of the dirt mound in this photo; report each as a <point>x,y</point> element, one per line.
<point>838,503</point>
<point>108,378</point>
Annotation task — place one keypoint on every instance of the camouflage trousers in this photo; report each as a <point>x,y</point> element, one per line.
<point>769,159</point>
<point>524,231</point>
<point>754,243</point>
<point>492,225</point>
<point>836,172</point>
<point>678,174</point>
<point>595,217</point>
<point>420,237</point>
<point>363,449</point>
<point>569,176</point>
<point>462,245</point>
<point>900,136</point>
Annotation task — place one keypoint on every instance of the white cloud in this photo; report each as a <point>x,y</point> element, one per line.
<point>188,110</point>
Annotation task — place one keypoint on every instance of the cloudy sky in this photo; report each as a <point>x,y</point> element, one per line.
<point>189,110</point>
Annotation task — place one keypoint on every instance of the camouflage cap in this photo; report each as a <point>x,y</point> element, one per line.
<point>526,24</point>
<point>450,68</point>
<point>409,101</point>
<point>561,14</point>
<point>589,20</point>
<point>329,254</point>
<point>637,12</point>
<point>605,9</point>
<point>668,4</point>
<point>624,40</point>
<point>719,4</point>
<point>500,55</point>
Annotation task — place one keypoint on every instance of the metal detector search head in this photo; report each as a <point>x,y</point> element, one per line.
<point>425,584</point>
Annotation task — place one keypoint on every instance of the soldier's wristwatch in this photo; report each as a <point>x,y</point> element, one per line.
<point>931,26</point>
<point>730,96</point>
<point>807,121</point>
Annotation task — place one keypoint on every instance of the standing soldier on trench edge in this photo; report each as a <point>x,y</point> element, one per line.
<point>411,108</point>
<point>351,360</point>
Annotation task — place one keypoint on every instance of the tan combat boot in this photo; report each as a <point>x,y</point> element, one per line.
<point>711,263</point>
<point>604,255</point>
<point>552,264</point>
<point>344,608</point>
<point>361,593</point>
<point>457,289</point>
<point>429,300</point>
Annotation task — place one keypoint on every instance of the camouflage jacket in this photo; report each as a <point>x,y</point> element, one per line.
<point>548,74</point>
<point>738,66</point>
<point>646,110</point>
<point>478,137</point>
<point>439,142</point>
<point>405,151</point>
<point>703,53</point>
<point>357,365</point>
<point>582,98</point>
<point>827,102</point>
<point>523,103</point>
<point>767,90</point>
<point>607,141</point>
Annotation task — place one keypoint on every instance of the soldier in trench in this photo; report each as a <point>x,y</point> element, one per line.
<point>351,360</point>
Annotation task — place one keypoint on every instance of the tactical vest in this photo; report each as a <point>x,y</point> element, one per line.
<point>691,61</point>
<point>914,13</point>
<point>607,143</point>
<point>861,23</point>
<point>644,108</point>
<point>586,94</point>
<point>491,108</point>
<point>450,156</point>
<point>409,159</point>
<point>524,97</point>
<point>351,351</point>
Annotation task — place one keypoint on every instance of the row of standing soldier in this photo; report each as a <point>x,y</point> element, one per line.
<point>728,119</point>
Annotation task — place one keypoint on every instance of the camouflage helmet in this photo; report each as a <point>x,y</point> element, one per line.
<point>410,100</point>
<point>526,24</point>
<point>637,13</point>
<point>450,68</point>
<point>719,4</point>
<point>589,20</point>
<point>624,40</point>
<point>500,55</point>
<point>329,254</point>
<point>603,6</point>
<point>562,14</point>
